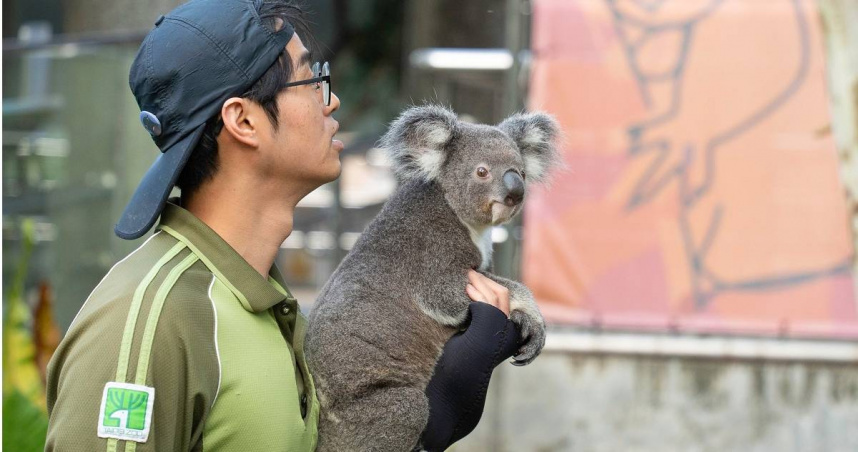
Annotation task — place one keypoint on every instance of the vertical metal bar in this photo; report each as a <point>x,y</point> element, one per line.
<point>508,251</point>
<point>37,65</point>
<point>512,38</point>
<point>337,252</point>
<point>512,102</point>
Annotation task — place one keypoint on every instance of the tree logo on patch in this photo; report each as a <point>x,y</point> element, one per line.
<point>126,411</point>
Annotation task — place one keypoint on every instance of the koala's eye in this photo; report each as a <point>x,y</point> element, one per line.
<point>523,176</point>
<point>482,172</point>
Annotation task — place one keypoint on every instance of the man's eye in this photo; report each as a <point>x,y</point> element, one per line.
<point>318,85</point>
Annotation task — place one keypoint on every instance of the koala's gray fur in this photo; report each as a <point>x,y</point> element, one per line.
<point>381,321</point>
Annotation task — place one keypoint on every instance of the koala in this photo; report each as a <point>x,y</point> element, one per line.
<point>380,323</point>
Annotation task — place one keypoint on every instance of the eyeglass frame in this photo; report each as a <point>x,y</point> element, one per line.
<point>324,75</point>
<point>326,67</point>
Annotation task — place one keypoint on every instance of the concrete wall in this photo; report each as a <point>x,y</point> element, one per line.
<point>572,401</point>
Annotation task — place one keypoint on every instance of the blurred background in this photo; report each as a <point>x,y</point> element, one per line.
<point>696,262</point>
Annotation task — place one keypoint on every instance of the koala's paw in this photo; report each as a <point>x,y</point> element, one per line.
<point>532,328</point>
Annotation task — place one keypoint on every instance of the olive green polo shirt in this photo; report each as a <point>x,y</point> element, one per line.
<point>183,346</point>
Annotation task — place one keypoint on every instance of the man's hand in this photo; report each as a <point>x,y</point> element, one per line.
<point>481,288</point>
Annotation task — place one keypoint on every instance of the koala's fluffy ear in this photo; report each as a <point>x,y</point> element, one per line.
<point>416,140</point>
<point>536,135</point>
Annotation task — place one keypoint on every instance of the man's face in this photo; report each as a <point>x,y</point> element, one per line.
<point>302,148</point>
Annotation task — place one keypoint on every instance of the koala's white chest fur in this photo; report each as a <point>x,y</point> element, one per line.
<point>482,238</point>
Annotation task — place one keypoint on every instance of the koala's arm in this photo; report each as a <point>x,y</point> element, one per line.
<point>446,303</point>
<point>457,390</point>
<point>524,313</point>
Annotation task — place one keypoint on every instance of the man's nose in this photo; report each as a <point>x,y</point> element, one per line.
<point>514,185</point>
<point>335,103</point>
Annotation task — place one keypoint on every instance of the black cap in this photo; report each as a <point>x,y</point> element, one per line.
<point>197,56</point>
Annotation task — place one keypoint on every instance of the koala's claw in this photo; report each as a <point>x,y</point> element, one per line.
<point>532,335</point>
<point>516,362</point>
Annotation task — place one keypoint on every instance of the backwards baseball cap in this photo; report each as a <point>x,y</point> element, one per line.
<point>197,56</point>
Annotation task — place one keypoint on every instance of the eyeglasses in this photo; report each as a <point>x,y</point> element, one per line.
<point>322,74</point>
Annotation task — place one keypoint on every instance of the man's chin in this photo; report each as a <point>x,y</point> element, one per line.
<point>330,174</point>
<point>335,174</point>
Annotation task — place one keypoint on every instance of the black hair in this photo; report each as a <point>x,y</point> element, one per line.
<point>203,162</point>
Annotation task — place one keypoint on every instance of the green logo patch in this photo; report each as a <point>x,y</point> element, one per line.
<point>126,411</point>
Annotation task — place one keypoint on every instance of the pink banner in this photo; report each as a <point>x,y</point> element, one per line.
<point>702,192</point>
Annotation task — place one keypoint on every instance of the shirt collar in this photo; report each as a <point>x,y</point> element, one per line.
<point>256,294</point>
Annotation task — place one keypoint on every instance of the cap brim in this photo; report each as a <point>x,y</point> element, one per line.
<point>149,198</point>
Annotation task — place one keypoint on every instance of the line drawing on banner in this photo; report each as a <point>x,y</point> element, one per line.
<point>634,32</point>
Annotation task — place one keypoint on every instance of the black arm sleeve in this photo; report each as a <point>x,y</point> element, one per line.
<point>457,390</point>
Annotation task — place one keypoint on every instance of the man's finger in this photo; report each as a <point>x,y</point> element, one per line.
<point>474,294</point>
<point>498,295</point>
<point>479,297</point>
<point>502,294</point>
<point>479,282</point>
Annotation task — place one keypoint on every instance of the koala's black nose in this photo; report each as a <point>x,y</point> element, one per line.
<point>514,185</point>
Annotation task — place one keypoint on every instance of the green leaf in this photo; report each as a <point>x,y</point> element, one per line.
<point>24,424</point>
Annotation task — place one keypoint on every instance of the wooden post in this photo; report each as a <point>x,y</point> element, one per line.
<point>840,22</point>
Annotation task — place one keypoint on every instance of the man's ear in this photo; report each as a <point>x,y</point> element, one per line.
<point>536,135</point>
<point>239,121</point>
<point>416,141</point>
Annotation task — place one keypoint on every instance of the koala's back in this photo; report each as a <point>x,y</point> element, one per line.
<point>366,329</point>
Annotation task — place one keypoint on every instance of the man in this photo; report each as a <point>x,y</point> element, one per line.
<point>193,341</point>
